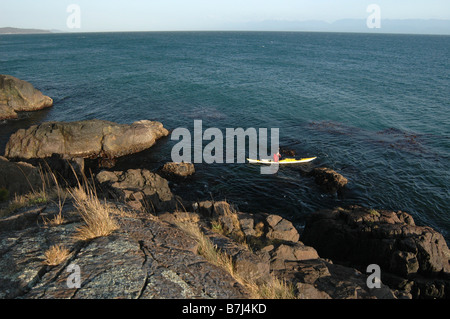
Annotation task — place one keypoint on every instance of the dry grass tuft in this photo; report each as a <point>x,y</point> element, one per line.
<point>272,288</point>
<point>217,227</point>
<point>206,248</point>
<point>58,196</point>
<point>61,196</point>
<point>26,200</point>
<point>97,215</point>
<point>55,255</point>
<point>58,219</point>
<point>50,192</point>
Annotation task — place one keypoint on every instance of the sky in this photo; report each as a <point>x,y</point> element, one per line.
<point>179,15</point>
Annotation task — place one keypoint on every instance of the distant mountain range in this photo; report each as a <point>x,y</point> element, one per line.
<point>9,30</point>
<point>412,26</point>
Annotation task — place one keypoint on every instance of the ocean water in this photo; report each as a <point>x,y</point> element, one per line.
<point>373,107</point>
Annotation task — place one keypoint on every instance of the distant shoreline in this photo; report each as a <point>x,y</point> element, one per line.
<point>9,30</point>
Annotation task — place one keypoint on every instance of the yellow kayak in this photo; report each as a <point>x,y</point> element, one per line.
<point>283,161</point>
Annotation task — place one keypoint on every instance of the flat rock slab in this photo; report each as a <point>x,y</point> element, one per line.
<point>145,258</point>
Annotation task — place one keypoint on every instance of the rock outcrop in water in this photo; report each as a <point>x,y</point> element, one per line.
<point>172,169</point>
<point>83,139</point>
<point>17,95</point>
<point>329,180</point>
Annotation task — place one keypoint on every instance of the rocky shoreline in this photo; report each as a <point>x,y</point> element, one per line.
<point>152,254</point>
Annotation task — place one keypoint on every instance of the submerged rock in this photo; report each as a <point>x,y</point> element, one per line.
<point>329,180</point>
<point>172,169</point>
<point>17,95</point>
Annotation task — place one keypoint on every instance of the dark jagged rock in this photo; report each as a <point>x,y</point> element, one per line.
<point>276,244</point>
<point>17,95</point>
<point>282,253</point>
<point>139,188</point>
<point>265,227</point>
<point>151,257</point>
<point>320,279</point>
<point>360,237</point>
<point>281,229</point>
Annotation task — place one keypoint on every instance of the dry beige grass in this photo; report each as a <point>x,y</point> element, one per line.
<point>97,215</point>
<point>272,288</point>
<point>50,192</point>
<point>58,196</point>
<point>58,219</point>
<point>26,200</point>
<point>55,255</point>
<point>206,248</point>
<point>61,196</point>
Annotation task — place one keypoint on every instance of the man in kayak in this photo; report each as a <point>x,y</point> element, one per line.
<point>276,157</point>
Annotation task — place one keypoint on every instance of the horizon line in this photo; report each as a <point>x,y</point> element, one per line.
<point>55,32</point>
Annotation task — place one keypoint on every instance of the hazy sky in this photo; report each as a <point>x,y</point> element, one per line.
<point>149,15</point>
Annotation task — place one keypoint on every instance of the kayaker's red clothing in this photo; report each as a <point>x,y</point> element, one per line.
<point>276,157</point>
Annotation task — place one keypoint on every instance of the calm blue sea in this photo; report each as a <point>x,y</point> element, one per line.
<point>373,107</point>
